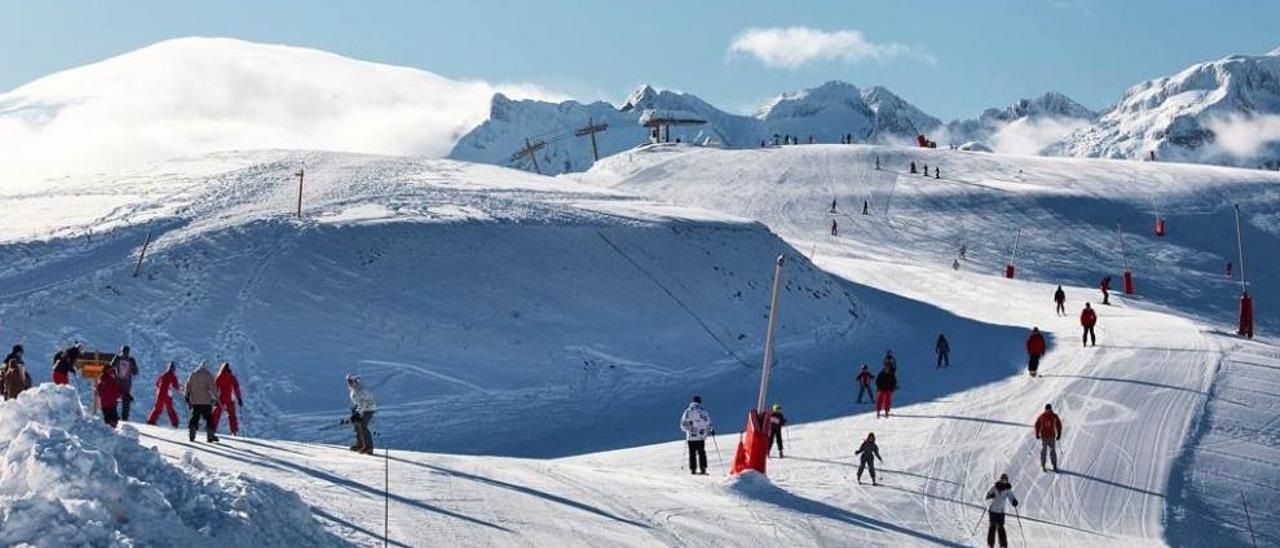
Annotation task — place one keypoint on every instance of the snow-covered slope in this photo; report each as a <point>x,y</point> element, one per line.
<point>195,95</point>
<point>1223,112</point>
<point>826,113</point>
<point>1025,127</point>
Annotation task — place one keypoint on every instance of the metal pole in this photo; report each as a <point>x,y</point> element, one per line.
<point>1248,519</point>
<point>301,173</point>
<point>137,268</point>
<point>1016,236</point>
<point>1124,254</point>
<point>1244,287</point>
<point>768,338</point>
<point>386,496</point>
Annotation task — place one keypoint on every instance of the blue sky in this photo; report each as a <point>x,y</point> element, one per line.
<point>950,58</point>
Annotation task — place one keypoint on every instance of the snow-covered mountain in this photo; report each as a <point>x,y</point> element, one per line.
<point>1222,112</point>
<point>1025,127</point>
<point>826,113</point>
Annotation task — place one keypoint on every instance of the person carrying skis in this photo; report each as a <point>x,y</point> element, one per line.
<point>109,393</point>
<point>200,393</point>
<point>776,421</point>
<point>362,408</point>
<point>1105,286</point>
<point>64,363</point>
<point>1088,319</point>
<point>943,348</point>
<point>1048,431</point>
<point>125,367</point>
<point>868,452</point>
<point>228,385</point>
<point>1000,494</point>
<point>1060,298</point>
<point>864,384</point>
<point>696,424</point>
<point>1035,349</point>
<point>165,383</point>
<point>886,383</point>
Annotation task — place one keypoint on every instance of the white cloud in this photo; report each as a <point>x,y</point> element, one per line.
<point>795,46</point>
<point>1029,136</point>
<point>1244,137</point>
<point>197,95</point>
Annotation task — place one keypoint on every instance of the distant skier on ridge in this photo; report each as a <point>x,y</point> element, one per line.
<point>696,424</point>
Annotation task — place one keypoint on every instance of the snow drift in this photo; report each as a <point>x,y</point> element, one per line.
<point>69,480</point>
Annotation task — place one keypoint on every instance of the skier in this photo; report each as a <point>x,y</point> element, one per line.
<point>1228,269</point>
<point>834,228</point>
<point>1049,431</point>
<point>999,494</point>
<point>109,394</point>
<point>200,393</point>
<point>868,452</point>
<point>865,205</point>
<point>125,367</point>
<point>165,383</point>
<point>913,168</point>
<point>228,385</point>
<point>1060,297</point>
<point>886,383</point>
<point>955,264</point>
<point>696,424</point>
<point>943,348</point>
<point>64,363</point>
<point>1088,319</point>
<point>362,408</point>
<point>1105,285</point>
<point>864,384</point>
<point>776,421</point>
<point>811,139</point>
<point>964,251</point>
<point>926,170</point>
<point>937,172</point>
<point>890,362</point>
<point>14,377</point>
<point>877,162</point>
<point>833,205</point>
<point>1035,349</point>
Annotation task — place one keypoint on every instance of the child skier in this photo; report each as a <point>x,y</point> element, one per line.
<point>868,452</point>
<point>864,384</point>
<point>776,421</point>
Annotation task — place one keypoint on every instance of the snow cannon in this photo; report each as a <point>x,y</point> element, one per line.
<point>1246,316</point>
<point>1128,282</point>
<point>753,448</point>
<point>922,141</point>
<point>1159,226</point>
<point>1008,271</point>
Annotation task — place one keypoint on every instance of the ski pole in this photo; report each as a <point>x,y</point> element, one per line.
<point>718,456</point>
<point>979,523</point>
<point>1020,531</point>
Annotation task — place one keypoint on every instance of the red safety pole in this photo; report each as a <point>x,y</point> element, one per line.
<point>1246,302</point>
<point>753,448</point>
<point>1124,256</point>
<point>1008,267</point>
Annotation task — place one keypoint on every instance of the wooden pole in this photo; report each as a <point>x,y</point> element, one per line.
<point>137,268</point>
<point>300,174</point>
<point>595,152</point>
<point>533,155</point>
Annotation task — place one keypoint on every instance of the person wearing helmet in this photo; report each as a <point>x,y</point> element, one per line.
<point>776,421</point>
<point>362,408</point>
<point>864,384</point>
<point>1000,494</point>
<point>869,451</point>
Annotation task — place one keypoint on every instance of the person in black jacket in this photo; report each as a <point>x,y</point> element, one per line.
<point>1060,298</point>
<point>886,383</point>
<point>943,348</point>
<point>776,421</point>
<point>868,452</point>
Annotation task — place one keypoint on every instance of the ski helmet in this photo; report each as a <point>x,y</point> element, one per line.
<point>1048,407</point>
<point>777,407</point>
<point>697,399</point>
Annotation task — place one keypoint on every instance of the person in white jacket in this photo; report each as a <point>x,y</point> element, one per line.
<point>1000,494</point>
<point>362,408</point>
<point>696,424</point>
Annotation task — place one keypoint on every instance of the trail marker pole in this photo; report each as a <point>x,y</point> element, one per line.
<point>137,268</point>
<point>300,175</point>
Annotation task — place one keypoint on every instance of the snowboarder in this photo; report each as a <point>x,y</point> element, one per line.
<point>886,383</point>
<point>834,228</point>
<point>776,421</point>
<point>1035,349</point>
<point>109,394</point>
<point>943,348</point>
<point>200,393</point>
<point>913,168</point>
<point>999,494</point>
<point>833,205</point>
<point>937,172</point>
<point>1049,431</point>
<point>14,377</point>
<point>1060,298</point>
<point>228,385</point>
<point>1088,319</point>
<point>865,206</point>
<point>362,408</point>
<point>868,452</point>
<point>1105,286</point>
<point>125,367</point>
<point>165,383</point>
<point>864,384</point>
<point>64,363</point>
<point>696,424</point>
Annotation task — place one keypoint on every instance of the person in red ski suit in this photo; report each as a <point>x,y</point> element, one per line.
<point>165,383</point>
<point>227,385</point>
<point>1048,431</point>
<point>1088,319</point>
<point>109,393</point>
<point>886,384</point>
<point>64,363</point>
<point>1035,349</point>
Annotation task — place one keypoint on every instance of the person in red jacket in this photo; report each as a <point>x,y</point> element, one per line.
<point>109,392</point>
<point>227,385</point>
<point>1035,349</point>
<point>864,384</point>
<point>167,382</point>
<point>1049,431</point>
<point>1088,319</point>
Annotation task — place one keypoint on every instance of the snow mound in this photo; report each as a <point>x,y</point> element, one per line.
<point>974,146</point>
<point>69,480</point>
